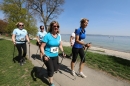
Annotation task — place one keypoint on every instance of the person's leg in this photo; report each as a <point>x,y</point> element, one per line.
<point>19,53</point>
<point>55,63</point>
<point>71,55</point>
<point>75,54</point>
<point>50,69</point>
<point>81,53</point>
<point>24,51</point>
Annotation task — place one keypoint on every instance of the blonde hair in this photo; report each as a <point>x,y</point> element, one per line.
<point>17,24</point>
<point>51,24</point>
<point>83,20</point>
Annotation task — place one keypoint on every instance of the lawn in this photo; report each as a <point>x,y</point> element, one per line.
<point>111,64</point>
<point>12,74</point>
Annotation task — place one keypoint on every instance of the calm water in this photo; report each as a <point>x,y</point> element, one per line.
<point>119,43</point>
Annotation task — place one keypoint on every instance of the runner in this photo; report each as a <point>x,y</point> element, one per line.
<point>40,36</point>
<point>19,38</point>
<point>49,48</point>
<point>78,47</point>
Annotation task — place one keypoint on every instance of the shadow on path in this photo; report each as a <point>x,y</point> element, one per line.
<point>36,56</point>
<point>40,73</point>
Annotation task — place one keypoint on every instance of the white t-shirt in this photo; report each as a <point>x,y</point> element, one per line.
<point>73,37</point>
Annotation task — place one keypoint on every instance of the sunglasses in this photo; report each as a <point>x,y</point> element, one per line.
<point>42,28</point>
<point>21,25</point>
<point>56,26</point>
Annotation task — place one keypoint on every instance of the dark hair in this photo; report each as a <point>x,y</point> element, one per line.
<point>51,24</point>
<point>41,26</point>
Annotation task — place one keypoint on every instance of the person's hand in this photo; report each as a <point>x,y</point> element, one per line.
<point>88,45</point>
<point>14,43</point>
<point>63,54</point>
<point>29,42</point>
<point>46,58</point>
<point>39,43</point>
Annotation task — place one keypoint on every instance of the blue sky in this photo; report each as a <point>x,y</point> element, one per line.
<point>106,17</point>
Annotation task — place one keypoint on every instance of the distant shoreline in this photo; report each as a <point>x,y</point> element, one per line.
<point>120,54</point>
<point>102,35</point>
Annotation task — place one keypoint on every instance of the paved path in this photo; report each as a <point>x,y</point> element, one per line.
<point>64,78</point>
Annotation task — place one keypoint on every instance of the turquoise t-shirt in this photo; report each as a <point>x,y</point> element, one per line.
<point>52,45</point>
<point>81,35</point>
<point>20,35</point>
<point>41,34</point>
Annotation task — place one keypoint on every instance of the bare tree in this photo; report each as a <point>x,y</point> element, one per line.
<point>46,10</point>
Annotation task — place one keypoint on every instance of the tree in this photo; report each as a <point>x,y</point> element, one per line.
<point>46,10</point>
<point>3,25</point>
<point>15,11</point>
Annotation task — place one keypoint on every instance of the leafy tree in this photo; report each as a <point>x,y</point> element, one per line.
<point>46,10</point>
<point>3,25</point>
<point>15,11</point>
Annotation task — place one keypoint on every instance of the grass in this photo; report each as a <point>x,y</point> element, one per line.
<point>12,74</point>
<point>113,65</point>
<point>33,41</point>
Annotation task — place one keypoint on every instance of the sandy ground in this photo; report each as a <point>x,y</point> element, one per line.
<point>119,54</point>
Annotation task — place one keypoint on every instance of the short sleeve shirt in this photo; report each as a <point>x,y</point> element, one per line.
<point>82,35</point>
<point>41,35</point>
<point>52,45</point>
<point>20,35</point>
<point>73,35</point>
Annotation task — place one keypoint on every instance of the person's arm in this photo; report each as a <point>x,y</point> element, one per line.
<point>42,51</point>
<point>71,37</point>
<point>38,39</point>
<point>13,39</point>
<point>27,39</point>
<point>61,49</point>
<point>78,41</point>
<point>81,42</point>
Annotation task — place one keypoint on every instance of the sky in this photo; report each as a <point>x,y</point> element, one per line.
<point>106,17</point>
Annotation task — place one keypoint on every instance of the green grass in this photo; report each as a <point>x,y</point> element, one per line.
<point>12,74</point>
<point>33,41</point>
<point>113,65</point>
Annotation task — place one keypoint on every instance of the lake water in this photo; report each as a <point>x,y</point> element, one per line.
<point>119,43</point>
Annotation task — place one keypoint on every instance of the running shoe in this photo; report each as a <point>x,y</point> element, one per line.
<point>82,75</point>
<point>24,61</point>
<point>51,84</point>
<point>73,72</point>
<point>21,62</point>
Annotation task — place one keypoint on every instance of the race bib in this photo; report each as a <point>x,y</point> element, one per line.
<point>22,39</point>
<point>54,49</point>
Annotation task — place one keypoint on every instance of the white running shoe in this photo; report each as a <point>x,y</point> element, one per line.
<point>82,75</point>
<point>73,72</point>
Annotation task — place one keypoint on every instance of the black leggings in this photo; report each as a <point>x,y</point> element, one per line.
<point>20,48</point>
<point>77,51</point>
<point>52,65</point>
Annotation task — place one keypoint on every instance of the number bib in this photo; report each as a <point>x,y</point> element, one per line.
<point>54,49</point>
<point>22,39</point>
